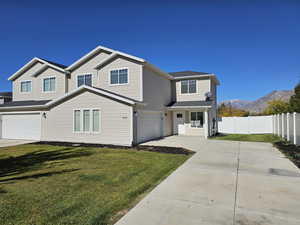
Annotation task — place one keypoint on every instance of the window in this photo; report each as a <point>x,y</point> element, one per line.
<point>179,115</point>
<point>188,86</point>
<point>26,86</point>
<point>77,121</point>
<point>119,76</point>
<point>84,80</point>
<point>87,120</point>
<point>49,84</point>
<point>197,119</point>
<point>96,120</point>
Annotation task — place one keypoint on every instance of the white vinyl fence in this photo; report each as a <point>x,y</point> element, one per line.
<point>285,125</point>
<point>246,125</point>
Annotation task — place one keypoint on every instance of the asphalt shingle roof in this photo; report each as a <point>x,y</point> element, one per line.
<point>5,94</point>
<point>24,103</point>
<point>190,103</point>
<point>55,64</point>
<point>187,73</point>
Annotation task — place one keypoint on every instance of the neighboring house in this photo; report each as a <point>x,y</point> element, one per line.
<point>5,97</point>
<point>107,97</point>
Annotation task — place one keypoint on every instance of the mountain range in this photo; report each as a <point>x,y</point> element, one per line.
<point>260,104</point>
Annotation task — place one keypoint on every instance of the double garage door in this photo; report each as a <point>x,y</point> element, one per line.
<point>21,126</point>
<point>149,125</point>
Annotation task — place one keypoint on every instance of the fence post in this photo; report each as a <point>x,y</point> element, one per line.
<point>278,124</point>
<point>282,125</point>
<point>288,126</point>
<point>294,128</point>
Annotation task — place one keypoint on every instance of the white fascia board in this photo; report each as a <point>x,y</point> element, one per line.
<point>30,63</point>
<point>188,107</point>
<point>97,49</point>
<point>43,68</point>
<point>105,60</point>
<point>198,76</point>
<point>83,58</point>
<point>21,70</point>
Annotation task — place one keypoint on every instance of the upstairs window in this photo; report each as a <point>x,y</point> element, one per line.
<point>188,86</point>
<point>26,86</point>
<point>119,76</point>
<point>197,119</point>
<point>84,80</point>
<point>49,84</point>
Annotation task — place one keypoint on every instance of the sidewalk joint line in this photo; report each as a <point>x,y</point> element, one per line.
<point>236,183</point>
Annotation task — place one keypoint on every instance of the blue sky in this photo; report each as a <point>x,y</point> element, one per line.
<point>253,46</point>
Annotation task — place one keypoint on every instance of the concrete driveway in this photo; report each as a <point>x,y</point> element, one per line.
<point>11,142</point>
<point>224,183</point>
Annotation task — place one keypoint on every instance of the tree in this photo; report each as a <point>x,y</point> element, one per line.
<point>228,111</point>
<point>276,107</point>
<point>295,100</point>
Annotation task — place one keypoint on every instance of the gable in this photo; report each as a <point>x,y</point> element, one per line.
<point>43,64</point>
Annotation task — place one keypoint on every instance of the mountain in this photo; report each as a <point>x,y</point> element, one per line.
<point>260,104</point>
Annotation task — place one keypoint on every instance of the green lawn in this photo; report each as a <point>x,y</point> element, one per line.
<point>42,184</point>
<point>248,137</point>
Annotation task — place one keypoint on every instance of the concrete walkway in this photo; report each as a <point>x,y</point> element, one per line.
<point>224,183</point>
<point>11,142</point>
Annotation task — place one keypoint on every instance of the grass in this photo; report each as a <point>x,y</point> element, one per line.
<point>57,185</point>
<point>248,137</point>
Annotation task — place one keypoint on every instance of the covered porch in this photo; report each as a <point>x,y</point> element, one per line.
<point>191,120</point>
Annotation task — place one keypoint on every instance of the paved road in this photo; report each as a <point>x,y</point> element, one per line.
<point>11,142</point>
<point>224,183</point>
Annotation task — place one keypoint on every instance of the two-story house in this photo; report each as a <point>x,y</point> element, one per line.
<point>107,97</point>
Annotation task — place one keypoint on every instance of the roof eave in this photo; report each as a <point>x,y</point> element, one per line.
<point>95,51</point>
<point>188,107</point>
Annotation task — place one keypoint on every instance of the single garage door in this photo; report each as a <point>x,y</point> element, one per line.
<point>21,126</point>
<point>149,125</point>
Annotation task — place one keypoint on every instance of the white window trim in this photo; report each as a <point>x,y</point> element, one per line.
<point>109,77</point>
<point>91,121</point>
<point>25,92</point>
<point>188,88</point>
<point>54,86</point>
<point>190,119</point>
<point>83,74</point>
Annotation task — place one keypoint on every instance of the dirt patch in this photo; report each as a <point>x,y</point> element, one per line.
<point>160,149</point>
<point>290,151</point>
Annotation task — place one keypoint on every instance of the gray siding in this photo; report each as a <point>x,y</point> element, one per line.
<point>37,84</point>
<point>101,77</point>
<point>156,90</point>
<point>116,121</point>
<point>203,86</point>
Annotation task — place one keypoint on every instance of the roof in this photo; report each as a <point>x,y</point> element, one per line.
<point>99,49</point>
<point>32,62</point>
<point>24,103</point>
<point>193,74</point>
<point>6,94</point>
<point>187,73</point>
<point>48,103</point>
<point>190,104</point>
<point>55,64</point>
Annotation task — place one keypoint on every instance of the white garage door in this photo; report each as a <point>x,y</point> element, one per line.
<point>150,125</point>
<point>21,126</point>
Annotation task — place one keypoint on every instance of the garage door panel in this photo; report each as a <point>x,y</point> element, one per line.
<point>149,126</point>
<point>21,126</point>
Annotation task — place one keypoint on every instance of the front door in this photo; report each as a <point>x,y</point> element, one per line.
<point>178,119</point>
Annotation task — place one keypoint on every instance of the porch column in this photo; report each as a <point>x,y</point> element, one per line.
<point>206,124</point>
